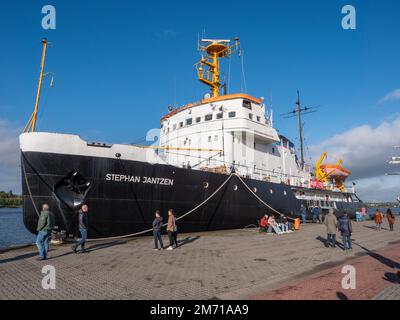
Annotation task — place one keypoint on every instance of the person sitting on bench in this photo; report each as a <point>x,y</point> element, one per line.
<point>274,225</point>
<point>264,223</point>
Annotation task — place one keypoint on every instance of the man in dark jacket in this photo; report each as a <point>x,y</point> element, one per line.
<point>44,227</point>
<point>157,225</point>
<point>83,227</point>
<point>345,229</point>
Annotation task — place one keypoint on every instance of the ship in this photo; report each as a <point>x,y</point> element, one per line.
<point>219,163</point>
<point>395,160</point>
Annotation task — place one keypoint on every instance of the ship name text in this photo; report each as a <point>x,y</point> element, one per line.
<point>139,179</point>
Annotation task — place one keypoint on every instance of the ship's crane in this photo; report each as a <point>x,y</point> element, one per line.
<point>331,172</point>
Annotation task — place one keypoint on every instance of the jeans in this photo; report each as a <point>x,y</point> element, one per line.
<point>157,238</point>
<point>284,227</point>
<point>391,226</point>
<point>303,217</point>
<point>42,242</point>
<point>82,241</point>
<point>378,226</point>
<point>276,229</point>
<point>346,242</point>
<point>331,240</point>
<point>173,238</point>
<point>314,219</point>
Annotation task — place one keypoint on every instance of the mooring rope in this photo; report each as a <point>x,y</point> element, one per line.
<point>165,224</point>
<point>261,200</point>
<point>29,188</point>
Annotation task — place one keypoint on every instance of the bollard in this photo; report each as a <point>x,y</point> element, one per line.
<point>297,224</point>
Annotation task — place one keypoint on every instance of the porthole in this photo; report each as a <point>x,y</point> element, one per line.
<point>205,185</point>
<point>235,187</point>
<point>254,189</point>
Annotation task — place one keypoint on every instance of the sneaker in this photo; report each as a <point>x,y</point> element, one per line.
<point>156,249</point>
<point>40,258</point>
<point>74,249</point>
<point>170,248</point>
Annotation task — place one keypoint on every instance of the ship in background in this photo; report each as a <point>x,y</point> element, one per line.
<point>396,161</point>
<point>219,163</point>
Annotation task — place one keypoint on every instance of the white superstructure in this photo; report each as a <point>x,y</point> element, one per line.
<point>231,130</point>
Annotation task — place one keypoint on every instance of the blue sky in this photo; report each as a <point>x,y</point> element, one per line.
<point>118,64</point>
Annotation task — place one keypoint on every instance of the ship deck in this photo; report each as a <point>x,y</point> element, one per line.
<point>233,264</point>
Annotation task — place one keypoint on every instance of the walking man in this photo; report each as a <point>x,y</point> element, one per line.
<point>44,227</point>
<point>390,218</point>
<point>378,219</point>
<point>331,224</point>
<point>303,213</point>
<point>83,227</point>
<point>315,212</point>
<point>157,225</point>
<point>346,230</point>
<point>172,230</point>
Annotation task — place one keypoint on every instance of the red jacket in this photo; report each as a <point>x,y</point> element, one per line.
<point>264,222</point>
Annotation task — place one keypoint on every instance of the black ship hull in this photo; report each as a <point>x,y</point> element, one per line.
<point>123,195</point>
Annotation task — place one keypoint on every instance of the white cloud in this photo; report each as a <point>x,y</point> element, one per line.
<point>379,189</point>
<point>365,151</point>
<point>10,178</point>
<point>391,96</point>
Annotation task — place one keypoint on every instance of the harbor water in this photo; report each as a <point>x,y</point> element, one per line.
<point>12,229</point>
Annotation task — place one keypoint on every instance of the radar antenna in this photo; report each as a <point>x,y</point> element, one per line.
<point>208,69</point>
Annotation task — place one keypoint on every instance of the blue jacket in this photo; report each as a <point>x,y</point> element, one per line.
<point>157,224</point>
<point>344,226</point>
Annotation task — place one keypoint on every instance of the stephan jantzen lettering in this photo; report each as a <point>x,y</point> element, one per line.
<point>139,179</point>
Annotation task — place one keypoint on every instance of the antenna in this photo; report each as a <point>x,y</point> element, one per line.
<point>208,69</point>
<point>298,112</point>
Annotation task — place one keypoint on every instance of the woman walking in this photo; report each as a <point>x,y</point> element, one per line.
<point>172,230</point>
<point>390,218</point>
<point>378,219</point>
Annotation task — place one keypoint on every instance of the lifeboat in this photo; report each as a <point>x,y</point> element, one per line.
<point>335,171</point>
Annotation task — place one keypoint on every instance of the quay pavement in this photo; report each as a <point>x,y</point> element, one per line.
<point>232,264</point>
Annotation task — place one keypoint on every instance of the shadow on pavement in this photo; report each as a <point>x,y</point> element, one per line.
<point>386,261</point>
<point>188,240</point>
<point>374,228</point>
<point>341,296</point>
<point>392,277</point>
<point>17,258</point>
<point>105,245</point>
<point>325,242</point>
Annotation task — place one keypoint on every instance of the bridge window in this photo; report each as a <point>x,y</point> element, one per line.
<point>220,115</point>
<point>180,124</point>
<point>247,104</point>
<point>198,119</point>
<point>258,118</point>
<point>250,116</point>
<point>232,114</point>
<point>208,117</point>
<point>189,121</point>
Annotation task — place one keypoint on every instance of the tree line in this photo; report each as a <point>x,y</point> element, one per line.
<point>10,200</point>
